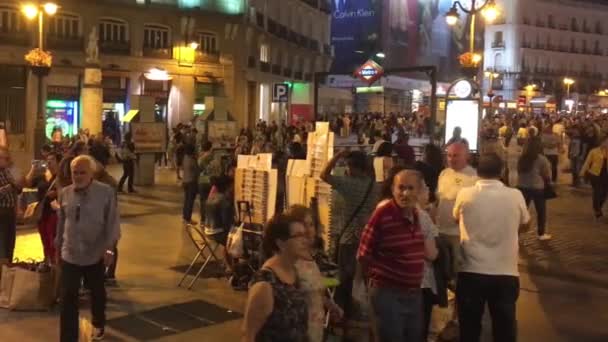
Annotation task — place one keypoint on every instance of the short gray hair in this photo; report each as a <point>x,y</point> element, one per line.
<point>84,158</point>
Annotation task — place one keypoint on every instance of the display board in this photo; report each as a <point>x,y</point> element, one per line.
<point>149,137</point>
<point>464,114</point>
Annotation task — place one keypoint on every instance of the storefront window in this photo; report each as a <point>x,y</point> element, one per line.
<point>61,116</point>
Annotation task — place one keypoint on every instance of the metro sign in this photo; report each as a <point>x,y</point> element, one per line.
<point>369,72</point>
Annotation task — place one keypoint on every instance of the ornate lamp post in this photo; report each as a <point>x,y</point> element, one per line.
<point>40,62</point>
<point>470,60</point>
<point>491,75</point>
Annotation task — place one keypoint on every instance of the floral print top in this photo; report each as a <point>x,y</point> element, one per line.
<point>288,320</point>
<point>311,282</point>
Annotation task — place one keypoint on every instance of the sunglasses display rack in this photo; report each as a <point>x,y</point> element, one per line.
<point>256,183</point>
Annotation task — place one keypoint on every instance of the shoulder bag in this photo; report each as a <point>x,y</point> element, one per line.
<point>33,212</point>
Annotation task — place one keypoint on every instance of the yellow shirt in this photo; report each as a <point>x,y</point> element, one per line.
<point>594,162</point>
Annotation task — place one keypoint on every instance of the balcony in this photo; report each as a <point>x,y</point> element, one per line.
<point>597,52</point>
<point>562,48</point>
<point>526,45</point>
<point>586,51</point>
<point>265,66</point>
<point>563,27</point>
<point>574,50</point>
<point>251,62</point>
<point>311,3</point>
<point>586,30</point>
<point>64,43</point>
<point>539,46</point>
<point>574,28</point>
<point>276,69</point>
<point>526,21</point>
<point>308,77</point>
<point>272,27</point>
<point>15,38</point>
<point>260,19</point>
<point>115,48</point>
<point>551,25</point>
<point>207,57</point>
<point>157,53</point>
<point>540,24</point>
<point>282,31</point>
<point>498,44</point>
<point>314,45</point>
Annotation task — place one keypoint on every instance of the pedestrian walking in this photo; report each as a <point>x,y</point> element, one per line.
<point>489,271</point>
<point>576,153</point>
<point>360,193</point>
<point>277,309</point>
<point>209,168</point>
<point>88,229</point>
<point>594,169</point>
<point>189,182</point>
<point>44,178</point>
<point>551,146</point>
<point>391,254</point>
<point>10,187</point>
<point>458,175</point>
<point>127,158</point>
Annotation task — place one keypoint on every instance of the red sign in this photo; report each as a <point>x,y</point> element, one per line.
<point>369,72</point>
<point>521,101</point>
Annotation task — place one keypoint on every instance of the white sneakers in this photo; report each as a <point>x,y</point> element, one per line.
<point>545,237</point>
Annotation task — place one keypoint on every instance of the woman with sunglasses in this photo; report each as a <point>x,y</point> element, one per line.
<point>277,309</point>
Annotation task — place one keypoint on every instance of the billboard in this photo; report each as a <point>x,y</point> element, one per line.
<point>409,32</point>
<point>463,114</point>
<point>355,26</point>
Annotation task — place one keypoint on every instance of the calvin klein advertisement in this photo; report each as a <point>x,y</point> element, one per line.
<point>355,32</point>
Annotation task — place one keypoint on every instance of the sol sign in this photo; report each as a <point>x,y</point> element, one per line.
<point>369,72</point>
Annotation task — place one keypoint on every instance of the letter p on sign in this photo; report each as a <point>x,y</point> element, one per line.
<point>280,93</point>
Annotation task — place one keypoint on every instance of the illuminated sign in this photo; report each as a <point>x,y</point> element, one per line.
<point>369,72</point>
<point>463,89</point>
<point>363,90</point>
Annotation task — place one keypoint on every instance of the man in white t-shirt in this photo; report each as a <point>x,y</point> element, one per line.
<point>491,216</point>
<point>456,176</point>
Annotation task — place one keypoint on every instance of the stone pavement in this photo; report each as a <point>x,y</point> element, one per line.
<point>550,308</point>
<point>579,246</point>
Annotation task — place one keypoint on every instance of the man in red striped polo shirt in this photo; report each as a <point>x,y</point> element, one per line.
<point>392,253</point>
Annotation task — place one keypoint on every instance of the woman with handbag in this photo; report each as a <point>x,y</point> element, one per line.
<point>44,180</point>
<point>534,176</point>
<point>594,169</point>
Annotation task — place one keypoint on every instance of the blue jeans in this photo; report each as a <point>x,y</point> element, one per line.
<point>397,314</point>
<point>190,192</point>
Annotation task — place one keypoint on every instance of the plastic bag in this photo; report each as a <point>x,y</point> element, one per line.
<point>235,242</point>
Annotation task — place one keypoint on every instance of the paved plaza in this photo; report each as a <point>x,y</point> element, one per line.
<point>564,281</point>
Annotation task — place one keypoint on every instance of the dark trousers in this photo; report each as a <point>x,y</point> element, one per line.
<point>428,300</point>
<point>599,185</point>
<point>128,172</point>
<point>71,277</point>
<point>500,293</point>
<point>203,191</point>
<point>190,191</point>
<point>8,226</point>
<point>346,273</point>
<point>540,204</point>
<point>554,160</point>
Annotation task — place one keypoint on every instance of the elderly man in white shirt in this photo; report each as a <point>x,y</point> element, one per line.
<point>491,216</point>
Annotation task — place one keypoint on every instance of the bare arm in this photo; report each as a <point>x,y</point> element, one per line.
<point>430,250</point>
<point>258,309</point>
<point>329,167</point>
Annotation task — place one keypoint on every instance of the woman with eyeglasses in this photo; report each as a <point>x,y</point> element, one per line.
<point>277,308</point>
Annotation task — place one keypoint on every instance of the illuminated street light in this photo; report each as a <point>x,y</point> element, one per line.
<point>50,8</point>
<point>568,82</point>
<point>451,18</point>
<point>476,58</point>
<point>194,45</point>
<point>380,55</point>
<point>490,11</point>
<point>30,11</point>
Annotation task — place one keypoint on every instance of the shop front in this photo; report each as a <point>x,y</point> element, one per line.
<point>159,90</point>
<point>114,105</point>
<point>62,112</point>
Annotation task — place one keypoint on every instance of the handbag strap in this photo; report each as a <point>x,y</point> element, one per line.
<point>356,211</point>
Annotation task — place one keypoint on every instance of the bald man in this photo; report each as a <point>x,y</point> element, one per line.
<point>458,175</point>
<point>88,228</point>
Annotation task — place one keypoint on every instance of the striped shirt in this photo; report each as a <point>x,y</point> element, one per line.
<point>8,194</point>
<point>395,247</point>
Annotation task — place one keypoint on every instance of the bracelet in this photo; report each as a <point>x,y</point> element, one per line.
<point>109,252</point>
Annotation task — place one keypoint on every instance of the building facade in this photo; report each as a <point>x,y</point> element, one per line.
<point>242,48</point>
<point>537,43</point>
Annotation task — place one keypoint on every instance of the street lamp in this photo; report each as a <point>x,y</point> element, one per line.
<point>381,55</point>
<point>568,82</point>
<point>491,75</point>
<point>31,12</point>
<point>488,10</point>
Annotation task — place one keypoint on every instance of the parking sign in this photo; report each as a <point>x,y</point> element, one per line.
<point>280,93</point>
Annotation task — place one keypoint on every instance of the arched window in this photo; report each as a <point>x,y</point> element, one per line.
<point>11,20</point>
<point>207,42</point>
<point>64,25</point>
<point>113,30</point>
<point>157,36</point>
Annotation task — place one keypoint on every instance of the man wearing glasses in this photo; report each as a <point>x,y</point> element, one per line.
<point>87,231</point>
